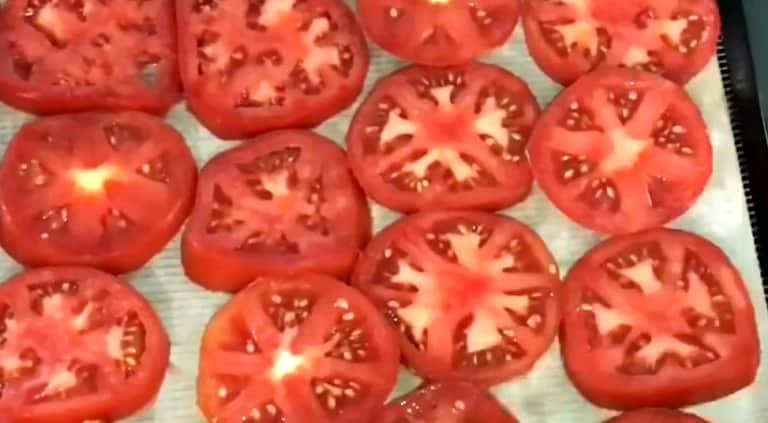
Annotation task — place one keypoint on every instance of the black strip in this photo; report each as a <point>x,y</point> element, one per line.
<point>741,91</point>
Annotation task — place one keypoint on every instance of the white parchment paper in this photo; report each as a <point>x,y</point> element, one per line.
<point>543,396</point>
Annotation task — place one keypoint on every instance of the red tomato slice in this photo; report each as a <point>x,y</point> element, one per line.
<point>568,38</point>
<point>474,295</point>
<point>77,344</point>
<point>61,56</point>
<point>656,415</point>
<point>446,403</point>
<point>621,150</point>
<point>302,349</point>
<point>439,32</point>
<point>657,319</point>
<point>444,138</point>
<point>97,189</point>
<point>253,66</point>
<point>284,203</point>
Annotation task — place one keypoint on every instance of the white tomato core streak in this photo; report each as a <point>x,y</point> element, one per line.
<point>92,180</point>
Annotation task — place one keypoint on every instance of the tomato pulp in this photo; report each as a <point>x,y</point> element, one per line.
<point>444,138</point>
<point>283,203</point>
<point>674,38</point>
<point>77,345</point>
<point>107,190</point>
<point>300,349</point>
<point>621,151</point>
<point>473,294</point>
<point>249,67</point>
<point>659,318</point>
<point>84,55</point>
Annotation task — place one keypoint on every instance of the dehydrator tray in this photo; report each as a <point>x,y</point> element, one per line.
<point>732,212</point>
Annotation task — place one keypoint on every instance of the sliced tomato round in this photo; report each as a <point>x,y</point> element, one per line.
<point>107,190</point>
<point>73,56</point>
<point>301,349</point>
<point>622,150</point>
<point>284,203</point>
<point>253,66</point>
<point>451,402</point>
<point>659,318</point>
<point>473,294</point>
<point>77,344</point>
<point>444,138</point>
<point>656,415</point>
<point>439,32</point>
<point>674,38</point>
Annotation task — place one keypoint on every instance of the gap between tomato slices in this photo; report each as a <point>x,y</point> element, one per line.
<point>252,67</point>
<point>74,56</point>
<point>621,151</point>
<point>444,138</point>
<point>107,190</point>
<point>300,349</point>
<point>283,203</point>
<point>439,32</point>
<point>77,345</point>
<point>474,295</point>
<point>674,38</point>
<point>453,402</point>
<point>659,318</point>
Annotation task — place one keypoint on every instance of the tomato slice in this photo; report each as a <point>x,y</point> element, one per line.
<point>439,32</point>
<point>656,415</point>
<point>107,190</point>
<point>253,66</point>
<point>474,295</point>
<point>657,319</point>
<point>77,344</point>
<point>60,56</point>
<point>284,203</point>
<point>444,138</point>
<point>621,150</point>
<point>568,38</point>
<point>452,402</point>
<point>300,349</point>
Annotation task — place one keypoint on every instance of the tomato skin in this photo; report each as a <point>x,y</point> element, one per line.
<point>656,415</point>
<point>224,269</point>
<point>398,35</point>
<point>638,215</point>
<point>212,103</point>
<point>436,403</point>
<point>106,406</point>
<point>677,68</point>
<point>442,366</point>
<point>129,255</point>
<point>514,177</point>
<point>40,97</point>
<point>290,392</point>
<point>601,383</point>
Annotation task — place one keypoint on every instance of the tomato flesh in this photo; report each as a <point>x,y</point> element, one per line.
<point>251,67</point>
<point>284,203</point>
<point>657,319</point>
<point>301,349</point>
<point>474,295</point>
<point>439,32</point>
<point>60,56</point>
<point>621,150</point>
<point>568,38</point>
<point>106,190</point>
<point>77,344</point>
<point>656,415</point>
<point>444,138</point>
<point>453,402</point>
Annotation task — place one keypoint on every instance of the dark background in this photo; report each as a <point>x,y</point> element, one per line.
<point>756,12</point>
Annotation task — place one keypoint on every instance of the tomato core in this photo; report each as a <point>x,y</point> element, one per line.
<point>91,181</point>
